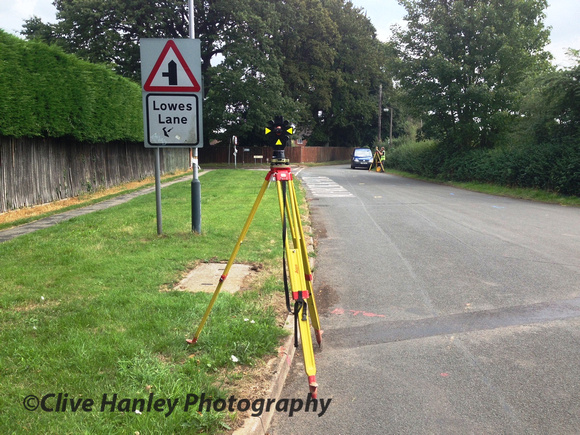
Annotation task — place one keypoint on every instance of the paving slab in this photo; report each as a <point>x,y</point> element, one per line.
<point>206,276</point>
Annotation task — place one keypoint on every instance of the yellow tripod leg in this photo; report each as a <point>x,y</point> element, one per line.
<point>230,261</point>
<point>298,264</point>
<point>298,284</point>
<point>374,162</point>
<point>301,289</point>
<point>306,265</point>
<point>308,351</point>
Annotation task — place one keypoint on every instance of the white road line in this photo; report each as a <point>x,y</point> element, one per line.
<point>324,187</point>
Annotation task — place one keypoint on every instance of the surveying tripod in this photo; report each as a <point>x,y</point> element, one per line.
<point>377,161</point>
<point>294,255</point>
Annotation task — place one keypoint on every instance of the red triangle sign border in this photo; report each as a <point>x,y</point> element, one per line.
<point>148,87</point>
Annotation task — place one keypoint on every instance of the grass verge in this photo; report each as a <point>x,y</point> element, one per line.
<point>82,314</point>
<point>493,189</point>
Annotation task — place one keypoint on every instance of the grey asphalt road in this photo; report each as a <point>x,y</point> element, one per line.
<point>444,311</point>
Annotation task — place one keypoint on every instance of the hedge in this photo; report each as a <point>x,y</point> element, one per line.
<point>550,166</point>
<point>45,92</point>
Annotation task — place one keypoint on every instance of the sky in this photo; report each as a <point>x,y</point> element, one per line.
<point>562,15</point>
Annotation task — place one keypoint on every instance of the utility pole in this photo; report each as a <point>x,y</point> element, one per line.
<point>380,110</point>
<point>391,128</point>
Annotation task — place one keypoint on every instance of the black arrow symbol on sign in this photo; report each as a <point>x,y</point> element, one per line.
<point>171,73</point>
<point>166,132</point>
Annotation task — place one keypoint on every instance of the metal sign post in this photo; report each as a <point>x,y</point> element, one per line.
<point>195,184</point>
<point>235,141</point>
<point>158,192</point>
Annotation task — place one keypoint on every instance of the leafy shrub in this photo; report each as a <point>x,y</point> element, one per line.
<point>550,166</point>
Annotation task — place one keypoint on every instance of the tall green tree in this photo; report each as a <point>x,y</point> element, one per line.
<point>244,86</point>
<point>108,31</point>
<point>316,62</point>
<point>563,92</point>
<point>551,106</point>
<point>307,43</point>
<point>332,61</point>
<point>353,118</point>
<point>462,62</point>
<point>240,72</point>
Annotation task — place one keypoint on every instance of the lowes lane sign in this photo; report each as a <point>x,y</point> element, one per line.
<point>172,96</point>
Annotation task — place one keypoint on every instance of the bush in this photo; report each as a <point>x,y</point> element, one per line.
<point>551,166</point>
<point>414,157</point>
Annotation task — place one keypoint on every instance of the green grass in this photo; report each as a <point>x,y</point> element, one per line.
<point>82,313</point>
<point>493,189</point>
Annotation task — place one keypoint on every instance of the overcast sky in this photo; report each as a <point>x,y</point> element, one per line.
<point>562,15</point>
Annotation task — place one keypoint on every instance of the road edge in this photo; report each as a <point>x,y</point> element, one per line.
<point>261,424</point>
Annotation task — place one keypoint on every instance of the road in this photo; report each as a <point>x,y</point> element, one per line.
<point>443,310</point>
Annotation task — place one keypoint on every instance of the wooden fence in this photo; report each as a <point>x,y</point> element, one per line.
<point>219,154</point>
<point>36,171</point>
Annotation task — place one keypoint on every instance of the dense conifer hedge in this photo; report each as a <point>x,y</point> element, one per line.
<point>45,92</point>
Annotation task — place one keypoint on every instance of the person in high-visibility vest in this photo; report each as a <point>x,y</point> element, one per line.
<point>383,156</point>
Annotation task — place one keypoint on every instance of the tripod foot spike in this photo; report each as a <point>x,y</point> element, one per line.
<point>192,341</point>
<point>314,392</point>
<point>318,333</point>
<point>313,386</point>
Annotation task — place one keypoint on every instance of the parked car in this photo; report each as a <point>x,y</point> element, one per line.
<point>361,157</point>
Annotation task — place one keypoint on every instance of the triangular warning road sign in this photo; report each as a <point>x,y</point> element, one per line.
<point>171,73</point>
